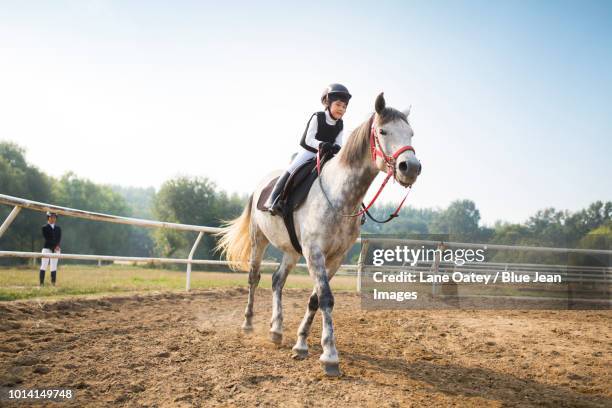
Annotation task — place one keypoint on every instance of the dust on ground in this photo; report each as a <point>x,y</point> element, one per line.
<point>186,349</point>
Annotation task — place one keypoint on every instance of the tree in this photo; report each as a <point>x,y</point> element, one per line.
<point>85,236</point>
<point>583,221</point>
<point>460,220</point>
<point>19,179</point>
<point>598,238</point>
<point>195,201</point>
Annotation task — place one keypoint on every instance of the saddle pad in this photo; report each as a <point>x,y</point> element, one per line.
<point>265,193</point>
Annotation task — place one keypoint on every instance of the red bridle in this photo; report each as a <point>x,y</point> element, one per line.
<point>376,151</point>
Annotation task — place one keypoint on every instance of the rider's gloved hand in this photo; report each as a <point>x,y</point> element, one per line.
<point>325,148</point>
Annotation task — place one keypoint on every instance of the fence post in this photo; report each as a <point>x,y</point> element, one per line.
<point>363,253</point>
<point>193,249</point>
<point>435,268</point>
<point>9,219</point>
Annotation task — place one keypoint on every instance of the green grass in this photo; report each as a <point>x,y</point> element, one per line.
<point>85,280</point>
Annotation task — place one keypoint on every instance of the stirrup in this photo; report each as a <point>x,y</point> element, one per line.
<point>275,208</point>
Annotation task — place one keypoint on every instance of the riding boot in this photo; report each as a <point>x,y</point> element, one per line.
<point>275,206</point>
<point>53,275</point>
<point>41,277</point>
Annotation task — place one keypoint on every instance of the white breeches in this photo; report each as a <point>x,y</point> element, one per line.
<point>302,157</point>
<point>44,262</point>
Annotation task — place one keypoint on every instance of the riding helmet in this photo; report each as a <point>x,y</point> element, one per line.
<point>335,92</point>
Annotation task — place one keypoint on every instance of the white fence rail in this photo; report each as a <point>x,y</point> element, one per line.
<point>20,203</point>
<point>597,274</point>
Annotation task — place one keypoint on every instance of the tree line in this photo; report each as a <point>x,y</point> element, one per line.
<point>589,228</point>
<point>198,201</point>
<point>185,200</point>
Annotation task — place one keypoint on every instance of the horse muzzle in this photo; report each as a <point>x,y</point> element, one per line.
<point>407,171</point>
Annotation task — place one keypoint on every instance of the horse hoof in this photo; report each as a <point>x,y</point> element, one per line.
<point>276,338</point>
<point>331,369</point>
<point>247,328</point>
<point>299,354</point>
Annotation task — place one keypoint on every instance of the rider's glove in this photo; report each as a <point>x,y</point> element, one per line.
<point>325,148</point>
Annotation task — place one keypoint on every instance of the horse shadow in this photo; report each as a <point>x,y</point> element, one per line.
<point>480,382</point>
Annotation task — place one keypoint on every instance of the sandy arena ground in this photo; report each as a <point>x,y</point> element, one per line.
<point>175,349</point>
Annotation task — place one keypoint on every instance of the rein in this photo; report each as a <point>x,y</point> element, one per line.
<point>375,151</point>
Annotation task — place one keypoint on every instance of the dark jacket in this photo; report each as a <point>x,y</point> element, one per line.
<point>325,132</point>
<point>53,236</point>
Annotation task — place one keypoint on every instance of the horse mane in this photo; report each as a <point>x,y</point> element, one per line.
<point>358,143</point>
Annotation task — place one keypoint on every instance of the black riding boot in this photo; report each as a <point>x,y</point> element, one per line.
<point>275,207</point>
<point>53,275</point>
<point>41,277</point>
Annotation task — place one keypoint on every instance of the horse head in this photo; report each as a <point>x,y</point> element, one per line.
<point>391,143</point>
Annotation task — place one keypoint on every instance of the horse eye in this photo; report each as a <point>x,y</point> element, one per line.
<point>382,131</point>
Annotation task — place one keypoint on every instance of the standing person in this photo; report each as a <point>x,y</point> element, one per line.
<point>53,235</point>
<point>323,133</point>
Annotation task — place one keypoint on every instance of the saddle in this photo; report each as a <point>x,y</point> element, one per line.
<point>293,195</point>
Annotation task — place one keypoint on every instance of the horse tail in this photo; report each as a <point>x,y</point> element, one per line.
<point>235,241</point>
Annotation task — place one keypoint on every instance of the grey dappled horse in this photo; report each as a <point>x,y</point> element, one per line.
<point>324,226</point>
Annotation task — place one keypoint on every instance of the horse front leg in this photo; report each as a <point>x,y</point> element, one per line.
<point>278,282</point>
<point>316,266</point>
<point>300,350</point>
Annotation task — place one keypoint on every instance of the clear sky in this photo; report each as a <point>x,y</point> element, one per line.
<point>511,101</point>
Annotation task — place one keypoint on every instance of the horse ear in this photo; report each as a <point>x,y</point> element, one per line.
<point>407,111</point>
<point>380,103</point>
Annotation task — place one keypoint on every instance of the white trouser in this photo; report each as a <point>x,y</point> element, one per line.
<point>300,158</point>
<point>45,261</point>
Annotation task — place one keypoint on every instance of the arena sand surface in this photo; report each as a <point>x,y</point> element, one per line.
<point>178,349</point>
